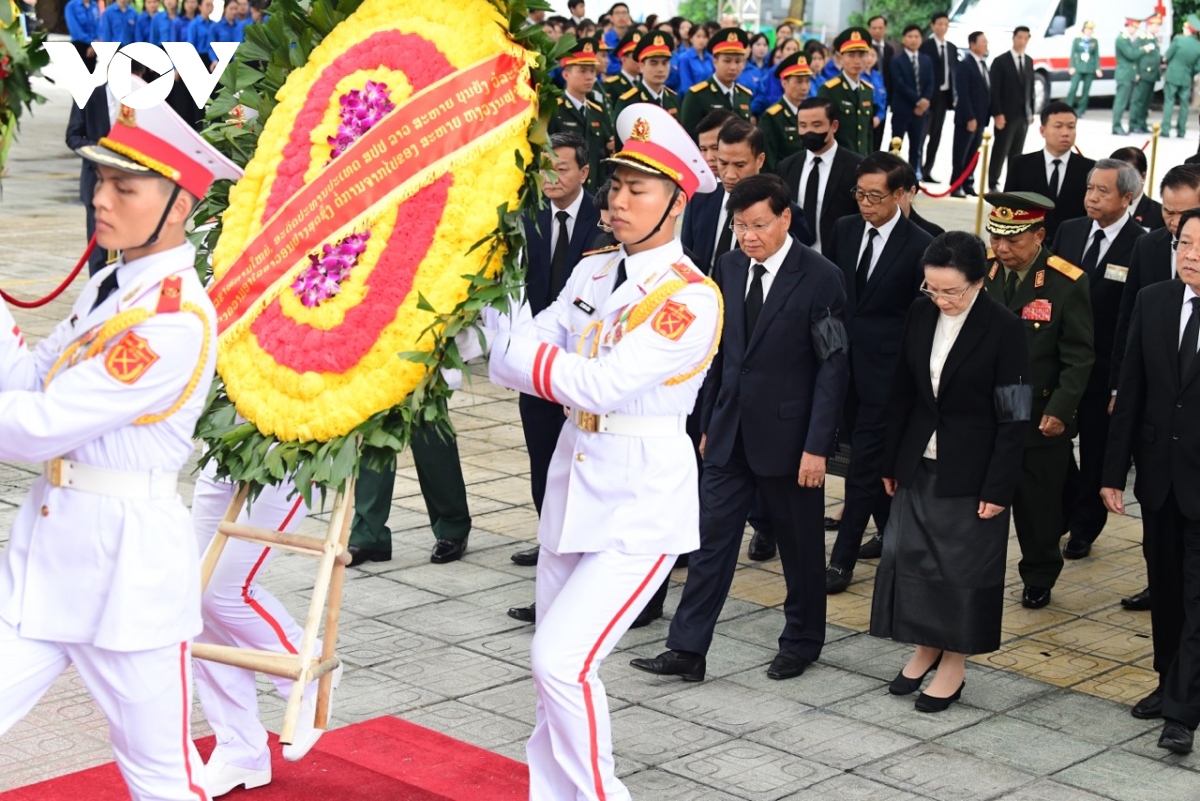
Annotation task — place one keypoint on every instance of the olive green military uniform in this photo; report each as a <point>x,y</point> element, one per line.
<point>1149,71</point>
<point>594,125</point>
<point>617,85</point>
<point>1126,76</point>
<point>640,94</point>
<point>1085,60</point>
<point>855,109</point>
<point>1183,62</point>
<point>781,138</point>
<point>705,98</point>
<point>1053,298</point>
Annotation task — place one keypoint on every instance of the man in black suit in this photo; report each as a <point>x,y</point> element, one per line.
<point>1012,105</point>
<point>972,110</point>
<point>879,252</point>
<point>85,126</point>
<point>1152,261</point>
<point>911,94</point>
<point>1054,171</point>
<point>1100,244</point>
<point>1155,422</point>
<point>771,406</point>
<point>885,51</point>
<point>1146,211</point>
<point>907,208</point>
<point>820,179</point>
<point>944,56</point>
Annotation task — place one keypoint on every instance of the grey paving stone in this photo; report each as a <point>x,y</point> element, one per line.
<point>1084,716</point>
<point>660,785</point>
<point>897,714</point>
<point>1123,776</point>
<point>470,724</point>
<point>451,671</point>
<point>509,646</point>
<point>653,738</point>
<point>750,770</point>
<point>1147,745</point>
<point>819,685</point>
<point>1047,790</point>
<point>632,685</point>
<point>374,596</point>
<point>862,653</point>
<point>365,641</point>
<point>453,621</point>
<point>365,694</point>
<point>454,579</point>
<point>941,773</point>
<point>849,787</point>
<point>500,599</point>
<point>1021,745</point>
<point>997,691</point>
<point>834,740</point>
<point>728,707</point>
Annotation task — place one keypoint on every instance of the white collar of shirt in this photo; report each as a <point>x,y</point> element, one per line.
<point>981,59</point>
<point>1110,233</point>
<point>794,109</point>
<point>772,263</point>
<point>823,170</point>
<point>884,232</point>
<point>1062,168</point>
<point>912,53</point>
<point>1018,58</point>
<point>572,216</point>
<point>140,274</point>
<point>579,105</point>
<point>629,77</point>
<point>853,83</point>
<point>726,89</point>
<point>651,92</point>
<point>1186,312</point>
<point>641,268</point>
<point>878,44</point>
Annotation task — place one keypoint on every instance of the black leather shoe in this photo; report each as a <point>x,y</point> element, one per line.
<point>1139,602</point>
<point>525,614</point>
<point>1035,597</point>
<point>928,179</point>
<point>448,551</point>
<point>1076,548</point>
<point>969,192</point>
<point>360,556</point>
<point>832,524</point>
<point>526,558</point>
<point>872,548</point>
<point>931,703</point>
<point>762,547</point>
<point>1176,738</point>
<point>787,665</point>
<point>1150,707</point>
<point>837,579</point>
<point>903,685</point>
<point>647,616</point>
<point>684,664</point>
<point>958,193</point>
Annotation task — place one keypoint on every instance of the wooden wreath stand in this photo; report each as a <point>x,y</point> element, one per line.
<point>302,667</point>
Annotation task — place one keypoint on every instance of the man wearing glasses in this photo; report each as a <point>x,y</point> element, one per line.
<point>1053,298</point>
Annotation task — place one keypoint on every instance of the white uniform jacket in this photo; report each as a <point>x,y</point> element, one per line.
<point>116,573</point>
<point>605,491</point>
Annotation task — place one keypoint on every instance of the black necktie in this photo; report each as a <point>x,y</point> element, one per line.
<point>754,300</point>
<point>724,242</point>
<point>1092,257</point>
<point>1010,286</point>
<point>916,70</point>
<point>987,79</point>
<point>106,288</point>
<point>811,195</point>
<point>1187,345</point>
<point>558,261</point>
<point>942,62</point>
<point>1054,179</point>
<point>1020,69</point>
<point>620,275</point>
<point>864,263</point>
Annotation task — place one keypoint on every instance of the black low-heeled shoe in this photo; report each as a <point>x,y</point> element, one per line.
<point>903,685</point>
<point>931,703</point>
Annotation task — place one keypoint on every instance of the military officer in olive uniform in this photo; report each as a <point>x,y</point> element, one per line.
<point>1149,71</point>
<point>653,53</point>
<point>778,124</point>
<point>852,98</point>
<point>1084,68</point>
<point>631,68</point>
<point>1126,75</point>
<point>1053,299</point>
<point>728,47</point>
<point>1183,62</point>
<point>578,114</point>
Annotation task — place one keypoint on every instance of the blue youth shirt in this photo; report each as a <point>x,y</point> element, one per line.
<point>83,21</point>
<point>117,25</point>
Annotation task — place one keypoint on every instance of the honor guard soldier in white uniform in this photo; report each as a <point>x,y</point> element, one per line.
<point>101,568</point>
<point>625,347</point>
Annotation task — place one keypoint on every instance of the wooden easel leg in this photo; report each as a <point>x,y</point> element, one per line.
<point>333,610</point>
<point>217,545</point>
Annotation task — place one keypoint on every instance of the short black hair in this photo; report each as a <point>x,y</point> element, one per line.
<point>889,164</point>
<point>573,4</point>
<point>1190,214</point>
<point>1183,176</point>
<point>821,103</point>
<point>714,120</point>
<point>813,46</point>
<point>912,27</point>
<point>960,250</point>
<point>910,177</point>
<point>938,15</point>
<point>600,199</point>
<point>877,16</point>
<point>574,142</point>
<point>615,6</point>
<point>1057,107</point>
<point>973,37</point>
<point>1020,29</point>
<point>757,188</point>
<point>737,131</point>
<point>1133,156</point>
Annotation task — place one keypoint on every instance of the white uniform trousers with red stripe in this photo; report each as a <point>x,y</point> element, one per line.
<point>585,603</point>
<point>146,696</point>
<point>237,611</point>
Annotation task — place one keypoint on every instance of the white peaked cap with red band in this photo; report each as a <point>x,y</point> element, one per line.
<point>657,144</point>
<point>157,141</point>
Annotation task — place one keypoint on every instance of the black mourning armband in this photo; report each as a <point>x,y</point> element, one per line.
<point>829,337</point>
<point>1014,403</point>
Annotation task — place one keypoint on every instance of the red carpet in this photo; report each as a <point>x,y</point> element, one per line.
<point>384,758</point>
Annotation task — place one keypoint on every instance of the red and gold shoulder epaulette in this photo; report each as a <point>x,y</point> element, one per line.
<point>170,295</point>
<point>1065,267</point>
<point>689,274</point>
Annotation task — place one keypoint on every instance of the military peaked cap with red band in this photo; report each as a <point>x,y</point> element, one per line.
<point>795,64</point>
<point>659,44</point>
<point>584,52</point>
<point>1016,212</point>
<point>629,42</point>
<point>655,143</point>
<point>852,40</point>
<point>729,40</point>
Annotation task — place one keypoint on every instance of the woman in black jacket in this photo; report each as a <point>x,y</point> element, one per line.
<point>960,405</point>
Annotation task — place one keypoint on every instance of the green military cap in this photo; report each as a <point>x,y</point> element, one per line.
<point>1016,212</point>
<point>1194,22</point>
<point>628,42</point>
<point>851,40</point>
<point>657,44</point>
<point>729,40</point>
<point>584,51</point>
<point>795,64</point>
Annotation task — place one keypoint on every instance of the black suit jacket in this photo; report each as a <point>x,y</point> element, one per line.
<point>1071,243</point>
<point>537,245</point>
<point>1148,214</point>
<point>86,126</point>
<point>905,92</point>
<point>837,202</point>
<point>929,47</point>
<point>977,414</point>
<point>974,99</point>
<point>885,61</point>
<point>1149,263</point>
<point>779,389</point>
<point>1157,415</point>
<point>933,229</point>
<point>1012,96</point>
<point>876,320</point>
<point>1028,174</point>
<point>699,230</point>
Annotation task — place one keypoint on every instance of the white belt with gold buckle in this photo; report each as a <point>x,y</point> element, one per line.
<point>135,485</point>
<point>629,425</point>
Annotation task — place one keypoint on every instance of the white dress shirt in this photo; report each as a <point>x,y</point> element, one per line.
<point>573,212</point>
<point>1186,312</point>
<point>723,220</point>
<point>730,91</point>
<point>853,83</point>
<point>1062,167</point>
<point>885,231</point>
<point>773,263</point>
<point>1110,233</point>
<point>944,337</point>
<point>944,56</point>
<point>987,76</point>
<point>823,170</point>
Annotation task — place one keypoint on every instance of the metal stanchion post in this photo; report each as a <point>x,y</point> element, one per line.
<point>896,141</point>
<point>1149,188</point>
<point>986,147</point>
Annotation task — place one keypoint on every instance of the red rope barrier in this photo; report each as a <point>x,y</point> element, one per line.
<point>961,179</point>
<point>27,304</point>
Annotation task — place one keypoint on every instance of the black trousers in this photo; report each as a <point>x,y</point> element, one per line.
<point>941,103</point>
<point>865,496</point>
<point>1038,513</point>
<point>966,143</point>
<point>541,421</point>
<point>878,133</point>
<point>1085,513</point>
<point>1171,544</point>
<point>726,494</point>
<point>915,132</point>
<point>1010,141</point>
